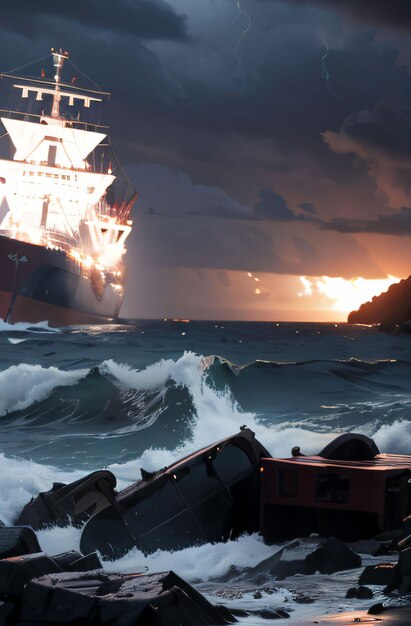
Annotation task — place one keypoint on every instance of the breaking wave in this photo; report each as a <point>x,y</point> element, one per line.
<point>116,415</point>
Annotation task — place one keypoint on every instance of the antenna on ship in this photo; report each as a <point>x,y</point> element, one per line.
<point>58,62</point>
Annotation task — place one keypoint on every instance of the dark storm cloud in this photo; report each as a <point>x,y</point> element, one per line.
<point>385,128</point>
<point>308,208</point>
<point>392,13</point>
<point>171,193</point>
<point>183,105</point>
<point>147,19</point>
<point>178,232</point>
<point>248,135</point>
<point>271,206</point>
<point>398,224</point>
<point>381,139</point>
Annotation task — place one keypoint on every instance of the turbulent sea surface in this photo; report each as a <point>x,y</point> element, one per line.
<point>144,394</point>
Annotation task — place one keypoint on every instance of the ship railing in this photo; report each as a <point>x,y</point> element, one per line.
<point>60,240</point>
<point>32,117</point>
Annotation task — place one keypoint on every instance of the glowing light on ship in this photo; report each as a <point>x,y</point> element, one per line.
<point>345,295</point>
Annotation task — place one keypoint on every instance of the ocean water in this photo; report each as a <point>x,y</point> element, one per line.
<point>144,394</point>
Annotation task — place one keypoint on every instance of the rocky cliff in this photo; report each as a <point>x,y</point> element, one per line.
<point>391,307</point>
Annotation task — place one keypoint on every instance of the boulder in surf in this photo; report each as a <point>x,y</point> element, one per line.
<point>73,561</point>
<point>161,599</point>
<point>17,571</point>
<point>332,556</point>
<point>299,557</point>
<point>17,540</point>
<point>381,574</point>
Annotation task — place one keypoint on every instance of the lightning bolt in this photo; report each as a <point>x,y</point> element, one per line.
<point>325,75</point>
<point>249,19</point>
<point>250,22</point>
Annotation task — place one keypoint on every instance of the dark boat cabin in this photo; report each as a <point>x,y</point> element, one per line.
<point>349,499</point>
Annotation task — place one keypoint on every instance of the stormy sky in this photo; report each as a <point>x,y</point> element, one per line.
<point>269,140</point>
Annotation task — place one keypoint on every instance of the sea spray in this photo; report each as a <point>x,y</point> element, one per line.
<point>22,385</point>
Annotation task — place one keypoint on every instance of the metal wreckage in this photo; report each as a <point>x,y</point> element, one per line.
<point>348,492</point>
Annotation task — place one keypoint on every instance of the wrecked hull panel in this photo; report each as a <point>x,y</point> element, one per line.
<point>210,496</point>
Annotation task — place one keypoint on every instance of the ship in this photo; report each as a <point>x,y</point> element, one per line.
<point>62,232</point>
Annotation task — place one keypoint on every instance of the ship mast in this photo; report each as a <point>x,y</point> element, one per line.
<point>58,62</point>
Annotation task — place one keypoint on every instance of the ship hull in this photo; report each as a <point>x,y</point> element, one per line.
<point>39,284</point>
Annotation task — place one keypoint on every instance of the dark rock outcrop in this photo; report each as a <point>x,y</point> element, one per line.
<point>361,592</point>
<point>390,308</point>
<point>331,556</point>
<point>17,571</point>
<point>380,574</point>
<point>17,540</point>
<point>118,600</point>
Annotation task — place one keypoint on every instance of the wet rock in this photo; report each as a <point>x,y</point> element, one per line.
<point>239,613</point>
<point>371,546</point>
<point>405,586</point>
<point>404,563</point>
<point>17,540</point>
<point>75,562</point>
<point>281,564</point>
<point>405,543</point>
<point>389,536</point>
<point>380,574</point>
<point>376,609</point>
<point>361,592</point>
<point>400,607</point>
<point>121,600</point>
<point>406,527</point>
<point>8,612</point>
<point>332,556</point>
<point>257,595</point>
<point>303,599</point>
<point>16,572</point>
<point>73,503</point>
<point>272,613</point>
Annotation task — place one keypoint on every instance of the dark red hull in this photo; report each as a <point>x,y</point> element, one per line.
<point>38,284</point>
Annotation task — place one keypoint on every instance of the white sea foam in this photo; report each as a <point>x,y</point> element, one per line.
<point>22,385</point>
<point>26,326</point>
<point>198,563</point>
<point>14,340</point>
<point>218,415</point>
<point>57,540</point>
<point>393,438</point>
<point>20,480</point>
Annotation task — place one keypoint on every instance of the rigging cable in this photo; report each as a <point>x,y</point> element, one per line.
<point>16,69</point>
<point>83,74</point>
<point>119,162</point>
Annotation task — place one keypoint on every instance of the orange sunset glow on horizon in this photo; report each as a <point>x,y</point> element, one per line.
<point>345,295</point>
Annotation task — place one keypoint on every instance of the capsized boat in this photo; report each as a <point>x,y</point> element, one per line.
<point>62,233</point>
<point>209,496</point>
